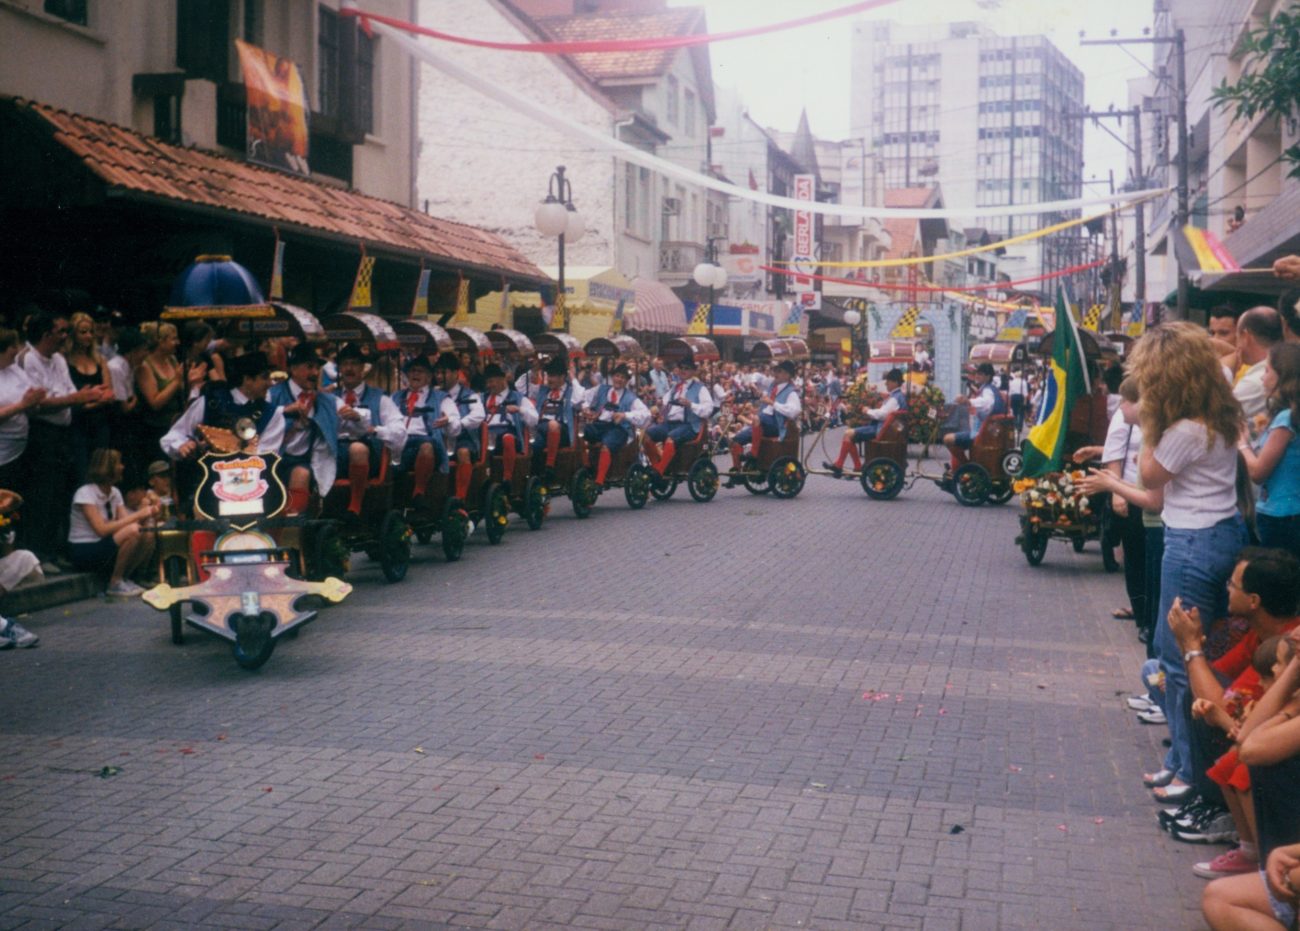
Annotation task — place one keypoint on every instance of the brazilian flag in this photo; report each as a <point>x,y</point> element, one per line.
<point>1066,379</point>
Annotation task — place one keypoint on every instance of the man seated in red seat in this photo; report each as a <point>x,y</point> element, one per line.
<point>894,401</point>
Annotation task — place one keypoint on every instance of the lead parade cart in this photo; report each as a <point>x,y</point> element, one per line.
<point>228,566</point>
<point>1052,508</point>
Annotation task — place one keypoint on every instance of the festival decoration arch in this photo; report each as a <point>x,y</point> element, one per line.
<point>944,319</point>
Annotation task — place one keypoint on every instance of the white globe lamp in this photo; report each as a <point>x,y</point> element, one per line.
<point>719,277</point>
<point>852,317</point>
<point>550,218</point>
<point>703,274</point>
<point>574,225</point>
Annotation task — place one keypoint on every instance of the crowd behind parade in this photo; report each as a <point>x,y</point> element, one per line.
<point>1201,466</point>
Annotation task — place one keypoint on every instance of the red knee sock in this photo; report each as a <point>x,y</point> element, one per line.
<point>664,460</point>
<point>602,466</point>
<point>358,477</point>
<point>552,447</point>
<point>508,454</point>
<point>299,498</point>
<point>464,472</point>
<point>651,449</point>
<point>736,452</point>
<point>846,447</point>
<point>857,460</point>
<point>423,472</point>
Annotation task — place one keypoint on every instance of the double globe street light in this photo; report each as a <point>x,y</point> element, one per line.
<point>558,218</point>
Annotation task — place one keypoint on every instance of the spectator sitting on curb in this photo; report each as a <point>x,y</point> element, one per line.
<point>17,567</point>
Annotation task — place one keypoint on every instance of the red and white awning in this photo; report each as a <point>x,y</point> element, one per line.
<point>658,309</point>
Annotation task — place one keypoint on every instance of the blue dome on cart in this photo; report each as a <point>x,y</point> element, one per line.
<point>216,281</point>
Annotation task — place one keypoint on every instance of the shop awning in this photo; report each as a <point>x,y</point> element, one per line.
<point>658,309</point>
<point>593,296</point>
<point>142,168</point>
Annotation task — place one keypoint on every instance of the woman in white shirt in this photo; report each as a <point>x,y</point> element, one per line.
<point>1190,426</point>
<point>17,396</point>
<point>103,536</point>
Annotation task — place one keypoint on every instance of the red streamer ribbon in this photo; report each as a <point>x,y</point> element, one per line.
<point>911,288</point>
<point>615,45</point>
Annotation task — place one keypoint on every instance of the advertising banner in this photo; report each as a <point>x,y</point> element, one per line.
<point>277,110</point>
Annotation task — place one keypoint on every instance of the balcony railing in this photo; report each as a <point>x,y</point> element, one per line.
<point>680,257</point>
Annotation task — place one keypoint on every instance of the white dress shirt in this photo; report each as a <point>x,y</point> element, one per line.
<point>413,424</point>
<point>476,415</point>
<point>499,417</point>
<point>638,415</point>
<point>185,428</point>
<point>790,408</point>
<point>299,438</point>
<point>703,408</point>
<point>52,375</point>
<point>391,428</point>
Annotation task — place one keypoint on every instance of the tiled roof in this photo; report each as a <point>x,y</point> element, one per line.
<point>918,197</point>
<point>902,236</point>
<point>595,27</point>
<point>127,160</point>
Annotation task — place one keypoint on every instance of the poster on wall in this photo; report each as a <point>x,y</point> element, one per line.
<point>277,110</point>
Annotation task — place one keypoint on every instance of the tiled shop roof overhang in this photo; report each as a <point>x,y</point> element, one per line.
<point>139,165</point>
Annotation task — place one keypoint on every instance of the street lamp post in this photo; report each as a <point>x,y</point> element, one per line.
<point>853,318</point>
<point>556,216</point>
<point>709,274</point>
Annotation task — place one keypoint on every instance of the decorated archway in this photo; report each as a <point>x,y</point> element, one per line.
<point>944,319</point>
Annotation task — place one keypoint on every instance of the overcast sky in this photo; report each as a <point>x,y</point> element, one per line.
<point>780,74</point>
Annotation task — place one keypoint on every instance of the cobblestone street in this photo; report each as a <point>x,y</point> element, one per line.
<point>819,713</point>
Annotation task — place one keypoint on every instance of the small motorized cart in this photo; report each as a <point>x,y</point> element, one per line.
<point>777,465</point>
<point>691,463</point>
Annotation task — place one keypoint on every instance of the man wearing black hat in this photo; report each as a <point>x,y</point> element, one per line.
<point>557,404</point>
<point>984,401</point>
<point>781,405</point>
<point>615,413</point>
<point>430,420</point>
<point>686,407</point>
<point>368,421</point>
<point>470,408</point>
<point>510,417</point>
<point>221,405</point>
<point>311,432</point>
<point>876,417</point>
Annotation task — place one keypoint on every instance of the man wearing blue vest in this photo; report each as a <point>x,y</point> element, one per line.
<point>221,406</point>
<point>984,400</point>
<point>510,416</point>
<point>472,415</point>
<point>368,421</point>
<point>687,407</point>
<point>615,413</point>
<point>557,402</point>
<point>780,405</point>
<point>311,432</point>
<point>429,419</point>
<point>876,416</point>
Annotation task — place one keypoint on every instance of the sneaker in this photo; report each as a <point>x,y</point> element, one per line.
<point>1186,813</point>
<point>16,635</point>
<point>1152,716</point>
<point>1159,778</point>
<point>1210,828</point>
<point>1226,864</point>
<point>123,589</point>
<point>50,569</point>
<point>1140,702</point>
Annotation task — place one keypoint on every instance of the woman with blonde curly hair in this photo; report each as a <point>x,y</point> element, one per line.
<point>1190,427</point>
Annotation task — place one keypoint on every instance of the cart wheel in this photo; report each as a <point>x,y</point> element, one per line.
<point>497,514</point>
<point>582,492</point>
<point>662,489</point>
<point>786,477</point>
<point>971,485</point>
<point>1013,462</point>
<point>534,503</point>
<point>329,555</point>
<point>394,546</point>
<point>636,487</point>
<point>755,482</point>
<point>455,530</point>
<point>176,572</point>
<point>253,644</point>
<point>1034,545</point>
<point>882,479</point>
<point>1078,543</point>
<point>1001,493</point>
<point>702,480</point>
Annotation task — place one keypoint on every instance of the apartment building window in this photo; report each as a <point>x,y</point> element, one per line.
<point>345,87</point>
<point>637,195</point>
<point>203,39</point>
<point>688,112</point>
<point>672,100</point>
<point>73,11</point>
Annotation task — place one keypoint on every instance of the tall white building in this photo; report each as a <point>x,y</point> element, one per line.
<point>986,117</point>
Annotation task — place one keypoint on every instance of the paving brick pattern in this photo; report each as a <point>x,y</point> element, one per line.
<point>819,713</point>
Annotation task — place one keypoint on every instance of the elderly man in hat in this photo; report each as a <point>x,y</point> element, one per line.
<point>558,402</point>
<point>311,432</point>
<point>510,417</point>
<point>223,404</point>
<point>469,407</point>
<point>686,407</point>
<point>984,400</point>
<point>368,421</point>
<point>780,405</point>
<point>615,414</point>
<point>430,420</point>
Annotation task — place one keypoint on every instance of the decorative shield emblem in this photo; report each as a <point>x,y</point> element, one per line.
<point>242,488</point>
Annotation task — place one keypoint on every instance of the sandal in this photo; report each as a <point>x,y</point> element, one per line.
<point>1122,614</point>
<point>1158,779</point>
<point>1172,793</point>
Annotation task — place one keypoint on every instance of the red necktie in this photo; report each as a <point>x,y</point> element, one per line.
<point>308,401</point>
<point>492,404</point>
<point>613,396</point>
<point>350,399</point>
<point>412,400</point>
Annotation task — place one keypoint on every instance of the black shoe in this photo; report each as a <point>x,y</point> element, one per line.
<point>833,469</point>
<point>731,482</point>
<point>1187,813</point>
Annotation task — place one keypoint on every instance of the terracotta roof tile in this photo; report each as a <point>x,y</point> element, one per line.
<point>128,160</point>
<point>918,197</point>
<point>595,27</point>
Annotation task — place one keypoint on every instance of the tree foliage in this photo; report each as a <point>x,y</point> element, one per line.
<point>1270,79</point>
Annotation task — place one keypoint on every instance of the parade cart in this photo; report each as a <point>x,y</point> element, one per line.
<point>514,351</point>
<point>627,469</point>
<point>777,465</point>
<point>691,462</point>
<point>420,336</point>
<point>230,564</point>
<point>475,351</point>
<point>511,349</point>
<point>573,476</point>
<point>1053,510</point>
<point>380,531</point>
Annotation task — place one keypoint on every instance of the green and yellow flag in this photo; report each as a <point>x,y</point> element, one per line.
<point>1066,379</point>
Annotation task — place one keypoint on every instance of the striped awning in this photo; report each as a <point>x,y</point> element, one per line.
<point>658,309</point>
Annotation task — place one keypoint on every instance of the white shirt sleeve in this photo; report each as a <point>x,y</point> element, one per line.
<point>704,409</point>
<point>477,414</point>
<point>1182,444</point>
<point>391,428</point>
<point>639,415</point>
<point>884,410</point>
<point>452,413</point>
<point>272,437</point>
<point>984,400</point>
<point>528,411</point>
<point>182,431</point>
<point>790,408</point>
